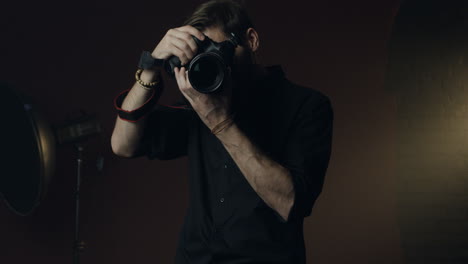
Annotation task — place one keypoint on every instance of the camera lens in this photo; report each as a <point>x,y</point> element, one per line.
<point>206,72</point>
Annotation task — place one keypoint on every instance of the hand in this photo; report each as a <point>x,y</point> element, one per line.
<point>212,108</point>
<point>178,42</point>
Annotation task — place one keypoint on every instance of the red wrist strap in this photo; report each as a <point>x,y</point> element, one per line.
<point>135,114</point>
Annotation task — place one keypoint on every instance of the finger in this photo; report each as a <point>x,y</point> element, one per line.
<point>183,79</point>
<point>192,31</point>
<point>182,83</point>
<point>176,74</point>
<point>188,80</point>
<point>179,53</point>
<point>184,40</point>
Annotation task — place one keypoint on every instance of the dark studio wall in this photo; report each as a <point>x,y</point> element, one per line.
<point>428,73</point>
<point>82,54</point>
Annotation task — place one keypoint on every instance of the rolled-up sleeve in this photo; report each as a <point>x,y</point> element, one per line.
<point>166,133</point>
<point>307,154</point>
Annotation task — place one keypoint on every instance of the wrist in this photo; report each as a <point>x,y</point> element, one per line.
<point>133,114</point>
<point>213,119</point>
<point>229,134</point>
<point>150,75</point>
<point>147,85</point>
<point>223,125</point>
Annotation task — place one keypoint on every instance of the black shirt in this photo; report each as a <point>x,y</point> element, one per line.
<point>226,221</point>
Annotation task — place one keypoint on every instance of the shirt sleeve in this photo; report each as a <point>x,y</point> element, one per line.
<point>166,133</point>
<point>307,154</point>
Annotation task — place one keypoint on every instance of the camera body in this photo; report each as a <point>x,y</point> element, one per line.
<point>208,69</point>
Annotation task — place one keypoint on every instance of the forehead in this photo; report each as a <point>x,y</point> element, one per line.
<point>215,34</point>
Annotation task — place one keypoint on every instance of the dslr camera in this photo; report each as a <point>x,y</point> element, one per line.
<point>208,69</point>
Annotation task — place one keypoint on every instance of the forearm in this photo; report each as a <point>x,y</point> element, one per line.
<point>270,180</point>
<point>126,136</point>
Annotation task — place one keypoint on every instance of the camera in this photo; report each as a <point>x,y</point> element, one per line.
<point>208,69</point>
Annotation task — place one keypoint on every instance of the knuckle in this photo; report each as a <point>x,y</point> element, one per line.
<point>192,43</point>
<point>190,55</point>
<point>187,37</point>
<point>169,37</point>
<point>177,52</point>
<point>181,57</point>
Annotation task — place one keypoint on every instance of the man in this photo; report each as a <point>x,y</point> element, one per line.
<point>259,149</point>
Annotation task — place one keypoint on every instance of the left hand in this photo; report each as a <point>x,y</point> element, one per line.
<point>212,108</point>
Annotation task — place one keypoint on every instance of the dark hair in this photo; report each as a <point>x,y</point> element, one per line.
<point>228,15</point>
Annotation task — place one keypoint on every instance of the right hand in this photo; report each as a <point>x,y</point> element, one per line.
<point>178,42</point>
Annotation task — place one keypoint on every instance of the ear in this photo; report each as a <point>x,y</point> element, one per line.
<point>251,36</point>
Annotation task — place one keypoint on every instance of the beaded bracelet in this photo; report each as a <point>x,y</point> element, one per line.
<point>147,85</point>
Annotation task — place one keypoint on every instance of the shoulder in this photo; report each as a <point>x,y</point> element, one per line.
<point>311,95</point>
<point>306,100</point>
<point>294,95</point>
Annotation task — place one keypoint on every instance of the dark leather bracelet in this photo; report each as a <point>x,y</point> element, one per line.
<point>136,114</point>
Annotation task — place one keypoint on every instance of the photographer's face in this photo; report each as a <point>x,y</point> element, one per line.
<point>242,58</point>
<point>243,70</point>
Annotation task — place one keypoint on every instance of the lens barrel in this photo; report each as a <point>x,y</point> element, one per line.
<point>206,72</point>
<point>208,69</point>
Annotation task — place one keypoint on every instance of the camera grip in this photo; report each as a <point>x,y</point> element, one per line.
<point>174,61</point>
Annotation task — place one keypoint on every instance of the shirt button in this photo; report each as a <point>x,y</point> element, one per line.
<point>225,166</point>
<point>222,199</point>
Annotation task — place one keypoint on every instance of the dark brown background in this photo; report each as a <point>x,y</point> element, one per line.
<point>80,55</point>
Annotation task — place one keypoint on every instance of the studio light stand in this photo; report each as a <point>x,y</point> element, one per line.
<point>78,245</point>
<point>76,131</point>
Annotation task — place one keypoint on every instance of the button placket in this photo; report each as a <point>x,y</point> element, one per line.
<point>221,198</point>
<point>222,208</point>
